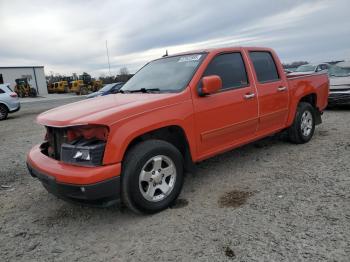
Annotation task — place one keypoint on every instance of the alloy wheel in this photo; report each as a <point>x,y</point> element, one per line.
<point>157,178</point>
<point>306,123</point>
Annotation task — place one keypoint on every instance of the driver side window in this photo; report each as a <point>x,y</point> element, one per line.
<point>231,69</point>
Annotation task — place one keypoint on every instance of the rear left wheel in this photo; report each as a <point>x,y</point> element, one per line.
<point>152,176</point>
<point>303,126</point>
<point>3,112</point>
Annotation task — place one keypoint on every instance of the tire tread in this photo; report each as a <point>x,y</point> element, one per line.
<point>133,157</point>
<point>294,133</point>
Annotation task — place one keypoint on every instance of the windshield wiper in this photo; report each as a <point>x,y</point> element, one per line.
<point>143,90</point>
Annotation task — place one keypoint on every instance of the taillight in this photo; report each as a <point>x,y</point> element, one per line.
<point>13,94</point>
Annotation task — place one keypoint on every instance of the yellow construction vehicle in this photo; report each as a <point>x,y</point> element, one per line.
<point>96,85</point>
<point>61,87</point>
<point>50,88</point>
<point>23,88</point>
<point>78,87</point>
<point>85,84</point>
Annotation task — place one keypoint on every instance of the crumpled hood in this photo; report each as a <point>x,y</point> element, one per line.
<point>104,110</point>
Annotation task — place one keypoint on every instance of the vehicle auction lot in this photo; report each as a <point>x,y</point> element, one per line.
<point>268,201</point>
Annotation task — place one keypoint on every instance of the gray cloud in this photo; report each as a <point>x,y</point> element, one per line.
<point>69,36</point>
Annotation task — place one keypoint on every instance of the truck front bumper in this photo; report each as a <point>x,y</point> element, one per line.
<point>87,185</point>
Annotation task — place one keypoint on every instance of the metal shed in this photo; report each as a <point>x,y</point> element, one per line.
<point>34,74</point>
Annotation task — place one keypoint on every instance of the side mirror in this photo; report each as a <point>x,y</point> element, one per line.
<point>210,85</point>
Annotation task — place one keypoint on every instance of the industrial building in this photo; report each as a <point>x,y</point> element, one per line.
<point>34,74</point>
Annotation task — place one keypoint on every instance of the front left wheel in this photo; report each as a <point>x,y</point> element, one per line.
<point>152,176</point>
<point>84,91</point>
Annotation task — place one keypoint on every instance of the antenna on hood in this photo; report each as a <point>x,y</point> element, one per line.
<point>166,53</point>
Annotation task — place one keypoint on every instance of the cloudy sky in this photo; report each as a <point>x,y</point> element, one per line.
<point>70,36</point>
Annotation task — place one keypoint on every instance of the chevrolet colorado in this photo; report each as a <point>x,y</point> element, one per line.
<point>176,111</point>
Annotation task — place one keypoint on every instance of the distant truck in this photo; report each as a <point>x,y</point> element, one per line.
<point>176,111</point>
<point>339,89</point>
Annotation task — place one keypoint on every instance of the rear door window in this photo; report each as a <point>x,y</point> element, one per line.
<point>231,69</point>
<point>264,65</point>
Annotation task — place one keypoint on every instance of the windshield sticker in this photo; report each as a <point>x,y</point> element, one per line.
<point>189,58</point>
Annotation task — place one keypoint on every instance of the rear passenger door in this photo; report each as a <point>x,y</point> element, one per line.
<point>230,116</point>
<point>272,91</point>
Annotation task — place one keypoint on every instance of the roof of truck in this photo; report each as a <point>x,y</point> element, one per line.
<point>218,50</point>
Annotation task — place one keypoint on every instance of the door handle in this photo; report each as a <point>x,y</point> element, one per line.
<point>281,88</point>
<point>249,96</point>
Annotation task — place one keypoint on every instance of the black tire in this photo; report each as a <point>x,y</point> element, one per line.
<point>295,131</point>
<point>134,162</point>
<point>83,91</point>
<point>3,112</point>
<point>33,92</point>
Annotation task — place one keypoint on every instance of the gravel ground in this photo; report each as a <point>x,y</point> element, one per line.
<point>268,201</point>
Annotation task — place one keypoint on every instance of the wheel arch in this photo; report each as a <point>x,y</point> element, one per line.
<point>178,132</point>
<point>173,134</point>
<point>310,97</point>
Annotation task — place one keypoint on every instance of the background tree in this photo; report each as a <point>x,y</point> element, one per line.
<point>124,75</point>
<point>123,71</point>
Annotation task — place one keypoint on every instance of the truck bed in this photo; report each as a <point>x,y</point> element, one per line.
<point>317,83</point>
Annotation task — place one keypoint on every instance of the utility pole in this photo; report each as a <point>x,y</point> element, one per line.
<point>109,65</point>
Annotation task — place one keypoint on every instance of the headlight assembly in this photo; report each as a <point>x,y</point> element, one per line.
<point>83,152</point>
<point>79,145</point>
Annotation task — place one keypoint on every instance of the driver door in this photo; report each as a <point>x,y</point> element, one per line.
<point>230,116</point>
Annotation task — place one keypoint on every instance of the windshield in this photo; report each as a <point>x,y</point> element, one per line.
<point>306,68</point>
<point>338,71</point>
<point>169,74</point>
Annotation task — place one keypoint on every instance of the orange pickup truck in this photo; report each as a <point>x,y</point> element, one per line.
<point>176,111</point>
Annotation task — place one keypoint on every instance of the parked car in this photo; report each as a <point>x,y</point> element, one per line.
<point>107,89</point>
<point>176,111</point>
<point>339,89</point>
<point>344,64</point>
<point>9,102</point>
<point>309,69</point>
